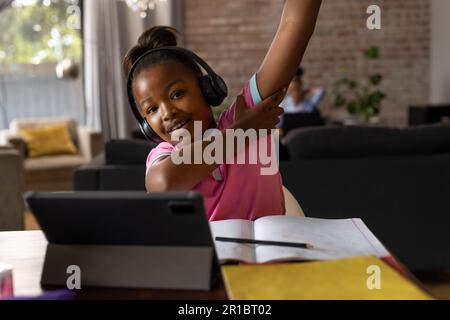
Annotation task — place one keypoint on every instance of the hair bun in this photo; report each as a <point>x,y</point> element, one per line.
<point>158,36</point>
<point>155,37</point>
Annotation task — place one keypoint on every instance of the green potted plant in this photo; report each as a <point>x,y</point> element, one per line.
<point>362,99</point>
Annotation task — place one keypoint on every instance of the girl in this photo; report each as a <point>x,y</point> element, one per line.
<point>165,87</point>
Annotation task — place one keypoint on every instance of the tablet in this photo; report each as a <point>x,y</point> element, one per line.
<point>121,218</point>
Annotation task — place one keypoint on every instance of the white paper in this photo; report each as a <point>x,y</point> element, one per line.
<point>230,251</point>
<point>331,239</point>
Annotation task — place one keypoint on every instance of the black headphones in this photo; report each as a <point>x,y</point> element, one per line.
<point>212,86</point>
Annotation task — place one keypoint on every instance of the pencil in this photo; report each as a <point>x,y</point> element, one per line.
<point>266,242</point>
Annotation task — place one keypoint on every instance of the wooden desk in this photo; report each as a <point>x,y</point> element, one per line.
<point>25,250</point>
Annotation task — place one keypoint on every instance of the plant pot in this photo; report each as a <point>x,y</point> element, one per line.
<point>356,120</point>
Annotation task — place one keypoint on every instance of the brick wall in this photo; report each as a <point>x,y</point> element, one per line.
<point>234,35</point>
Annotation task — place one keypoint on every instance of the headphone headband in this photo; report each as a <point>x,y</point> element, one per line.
<point>175,49</point>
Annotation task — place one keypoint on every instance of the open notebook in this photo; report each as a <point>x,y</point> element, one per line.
<point>331,239</point>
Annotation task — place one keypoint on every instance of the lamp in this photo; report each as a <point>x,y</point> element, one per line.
<point>5,4</point>
<point>142,5</point>
<point>67,69</point>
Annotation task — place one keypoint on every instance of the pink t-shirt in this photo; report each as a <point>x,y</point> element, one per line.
<point>235,191</point>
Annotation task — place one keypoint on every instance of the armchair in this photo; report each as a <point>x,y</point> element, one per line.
<point>53,172</point>
<point>11,186</point>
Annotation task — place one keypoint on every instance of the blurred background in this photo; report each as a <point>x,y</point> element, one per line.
<point>366,129</point>
<point>89,37</point>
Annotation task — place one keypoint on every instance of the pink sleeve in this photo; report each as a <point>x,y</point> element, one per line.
<point>252,98</point>
<point>162,150</point>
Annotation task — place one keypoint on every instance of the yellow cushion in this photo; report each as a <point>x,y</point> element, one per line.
<point>48,140</point>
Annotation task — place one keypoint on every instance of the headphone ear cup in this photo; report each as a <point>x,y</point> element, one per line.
<point>148,132</point>
<point>220,86</point>
<point>212,96</point>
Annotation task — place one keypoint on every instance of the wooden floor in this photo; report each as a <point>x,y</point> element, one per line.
<point>30,222</point>
<point>436,283</point>
<point>440,291</point>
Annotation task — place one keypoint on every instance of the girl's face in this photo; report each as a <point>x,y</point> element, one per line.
<point>169,97</point>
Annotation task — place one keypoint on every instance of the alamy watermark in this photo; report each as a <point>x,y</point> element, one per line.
<point>253,146</point>
<point>374,20</point>
<point>374,279</point>
<point>74,279</point>
<point>74,17</point>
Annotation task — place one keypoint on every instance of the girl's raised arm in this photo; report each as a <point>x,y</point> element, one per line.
<point>288,46</point>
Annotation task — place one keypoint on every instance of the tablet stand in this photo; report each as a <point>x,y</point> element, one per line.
<point>155,267</point>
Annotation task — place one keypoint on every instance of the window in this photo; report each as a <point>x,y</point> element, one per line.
<point>40,60</point>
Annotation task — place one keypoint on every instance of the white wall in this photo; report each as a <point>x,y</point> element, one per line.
<point>440,51</point>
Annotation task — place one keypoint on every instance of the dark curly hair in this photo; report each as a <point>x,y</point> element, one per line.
<point>155,37</point>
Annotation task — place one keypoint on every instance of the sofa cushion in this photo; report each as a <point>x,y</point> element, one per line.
<point>17,124</point>
<point>402,199</point>
<point>119,178</point>
<point>349,142</point>
<point>48,140</point>
<point>127,152</point>
<point>54,162</point>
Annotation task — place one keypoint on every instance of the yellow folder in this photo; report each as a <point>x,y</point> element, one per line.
<point>356,278</point>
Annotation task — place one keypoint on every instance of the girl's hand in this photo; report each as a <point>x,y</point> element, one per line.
<point>288,46</point>
<point>264,115</point>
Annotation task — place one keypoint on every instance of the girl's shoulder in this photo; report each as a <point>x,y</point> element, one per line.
<point>161,150</point>
<point>163,146</point>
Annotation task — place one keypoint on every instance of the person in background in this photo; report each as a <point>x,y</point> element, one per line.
<point>299,99</point>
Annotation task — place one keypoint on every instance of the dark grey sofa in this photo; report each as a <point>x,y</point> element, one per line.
<point>396,180</point>
<point>120,167</point>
